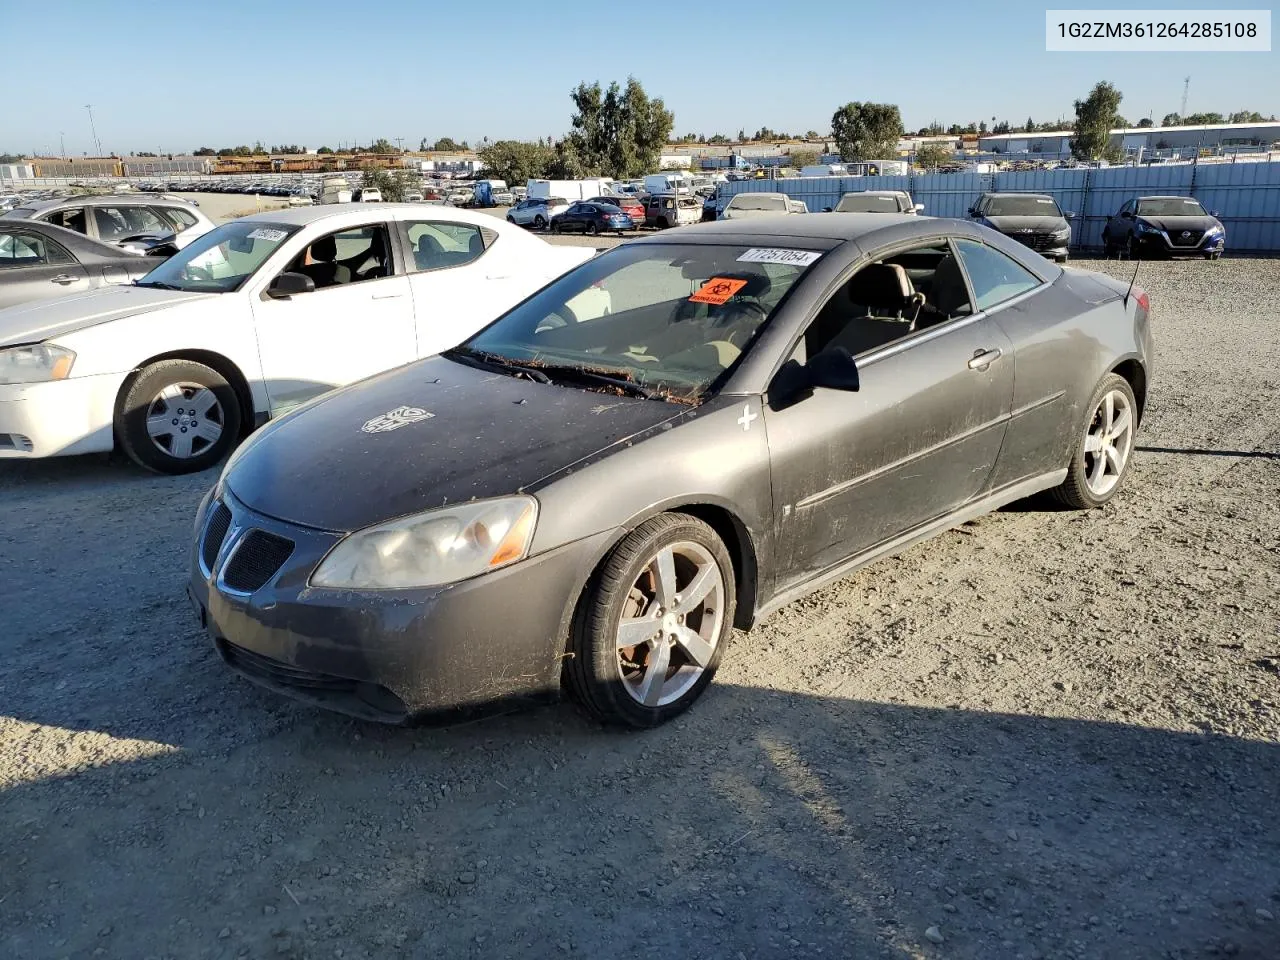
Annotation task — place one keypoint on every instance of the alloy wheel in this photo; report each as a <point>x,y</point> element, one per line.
<point>670,624</point>
<point>1108,442</point>
<point>184,420</point>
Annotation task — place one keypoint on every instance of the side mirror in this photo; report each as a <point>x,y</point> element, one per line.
<point>1214,214</point>
<point>1126,215</point>
<point>832,367</point>
<point>288,284</point>
<point>1070,215</point>
<point>919,208</point>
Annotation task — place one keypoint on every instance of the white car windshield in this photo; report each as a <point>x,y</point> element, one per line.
<point>222,259</point>
<point>747,201</point>
<point>663,320</point>
<point>869,203</point>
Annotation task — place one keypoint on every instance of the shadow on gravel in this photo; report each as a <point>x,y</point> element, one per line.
<point>1193,451</point>
<point>760,824</point>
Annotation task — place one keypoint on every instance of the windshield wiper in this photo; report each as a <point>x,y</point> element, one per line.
<point>496,362</point>
<point>157,284</point>
<point>608,378</point>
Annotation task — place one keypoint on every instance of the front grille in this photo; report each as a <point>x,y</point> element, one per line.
<point>1036,241</point>
<point>215,532</point>
<point>282,674</point>
<point>1192,239</point>
<point>256,560</point>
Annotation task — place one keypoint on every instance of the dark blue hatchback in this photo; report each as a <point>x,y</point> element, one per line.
<point>592,218</point>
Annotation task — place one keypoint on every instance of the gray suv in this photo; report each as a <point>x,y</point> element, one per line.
<point>1033,219</point>
<point>134,223</point>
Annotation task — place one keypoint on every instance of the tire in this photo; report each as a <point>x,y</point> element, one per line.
<point>539,222</point>
<point>151,403</point>
<point>511,219</point>
<point>1080,491</point>
<point>557,228</point>
<point>609,681</point>
<point>1131,251</point>
<point>591,228</point>
<point>1108,248</point>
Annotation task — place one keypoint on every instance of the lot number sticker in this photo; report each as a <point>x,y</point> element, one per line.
<point>266,233</point>
<point>797,258</point>
<point>717,290</point>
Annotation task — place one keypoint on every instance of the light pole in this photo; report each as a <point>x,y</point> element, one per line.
<point>93,129</point>
<point>400,144</point>
<point>62,143</point>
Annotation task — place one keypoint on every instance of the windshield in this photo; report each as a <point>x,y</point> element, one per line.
<point>867,203</point>
<point>1022,207</point>
<point>756,201</point>
<point>1173,207</point>
<point>670,318</point>
<point>222,259</point>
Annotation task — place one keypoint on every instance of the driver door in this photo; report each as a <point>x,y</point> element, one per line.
<point>357,322</point>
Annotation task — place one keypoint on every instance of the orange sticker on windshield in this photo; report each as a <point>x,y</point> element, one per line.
<point>717,290</point>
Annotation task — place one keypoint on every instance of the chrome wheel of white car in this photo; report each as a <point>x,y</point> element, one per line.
<point>653,623</point>
<point>668,632</point>
<point>1108,440</point>
<point>177,416</point>
<point>184,420</point>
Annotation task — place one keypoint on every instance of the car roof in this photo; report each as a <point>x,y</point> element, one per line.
<point>1002,193</point>
<point>90,200</point>
<point>1169,197</point>
<point>824,230</point>
<point>301,216</point>
<point>874,193</point>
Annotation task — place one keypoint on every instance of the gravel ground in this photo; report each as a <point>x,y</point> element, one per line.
<point>1042,735</point>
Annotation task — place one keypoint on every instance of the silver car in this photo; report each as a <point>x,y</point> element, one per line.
<point>135,223</point>
<point>537,212</point>
<point>878,201</point>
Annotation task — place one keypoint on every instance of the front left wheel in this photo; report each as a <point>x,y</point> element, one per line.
<point>653,623</point>
<point>178,416</point>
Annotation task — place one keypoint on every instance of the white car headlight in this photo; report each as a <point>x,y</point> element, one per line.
<point>36,363</point>
<point>433,548</point>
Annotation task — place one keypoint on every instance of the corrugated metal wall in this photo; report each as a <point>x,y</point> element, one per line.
<point>1246,195</point>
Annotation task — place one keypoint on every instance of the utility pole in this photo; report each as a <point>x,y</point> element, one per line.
<point>400,144</point>
<point>93,129</point>
<point>62,144</point>
<point>1186,88</point>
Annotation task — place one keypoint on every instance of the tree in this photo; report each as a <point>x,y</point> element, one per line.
<point>1145,122</point>
<point>392,185</point>
<point>619,131</point>
<point>1171,120</point>
<point>324,150</point>
<point>982,127</point>
<point>516,161</point>
<point>1096,115</point>
<point>742,136</point>
<point>1002,127</point>
<point>719,138</point>
<point>204,152</point>
<point>866,131</point>
<point>449,145</point>
<point>803,158</point>
<point>933,155</point>
<point>1031,126</point>
<point>813,135</point>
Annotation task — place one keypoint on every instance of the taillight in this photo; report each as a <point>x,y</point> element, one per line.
<point>1144,301</point>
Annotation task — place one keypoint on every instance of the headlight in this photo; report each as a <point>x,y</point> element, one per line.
<point>1143,227</point>
<point>1213,231</point>
<point>36,363</point>
<point>1064,233</point>
<point>433,548</point>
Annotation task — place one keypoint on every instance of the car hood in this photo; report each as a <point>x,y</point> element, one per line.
<point>1038,224</point>
<point>48,319</point>
<point>1178,224</point>
<point>333,465</point>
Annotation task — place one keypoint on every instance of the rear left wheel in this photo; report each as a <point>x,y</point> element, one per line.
<point>1100,459</point>
<point>653,623</point>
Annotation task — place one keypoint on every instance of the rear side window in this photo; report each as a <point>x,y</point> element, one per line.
<point>994,276</point>
<point>72,218</point>
<point>182,219</point>
<point>29,250</point>
<point>439,245</point>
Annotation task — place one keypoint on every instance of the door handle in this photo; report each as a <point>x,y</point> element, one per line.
<point>387,296</point>
<point>983,359</point>
<point>62,278</point>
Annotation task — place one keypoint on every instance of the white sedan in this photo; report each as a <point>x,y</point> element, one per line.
<point>251,320</point>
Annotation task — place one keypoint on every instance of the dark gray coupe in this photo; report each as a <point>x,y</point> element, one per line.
<point>39,260</point>
<point>674,439</point>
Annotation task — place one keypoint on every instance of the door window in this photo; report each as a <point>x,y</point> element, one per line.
<point>438,245</point>
<point>182,219</point>
<point>117,223</point>
<point>28,250</point>
<point>71,218</point>
<point>348,256</point>
<point>890,299</point>
<point>995,276</point>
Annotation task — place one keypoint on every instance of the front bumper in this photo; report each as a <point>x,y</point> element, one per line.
<point>430,653</point>
<point>58,418</point>
<point>1161,242</point>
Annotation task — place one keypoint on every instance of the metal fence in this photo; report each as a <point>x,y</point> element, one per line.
<point>1246,196</point>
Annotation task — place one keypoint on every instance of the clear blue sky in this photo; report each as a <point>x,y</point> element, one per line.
<point>178,76</point>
